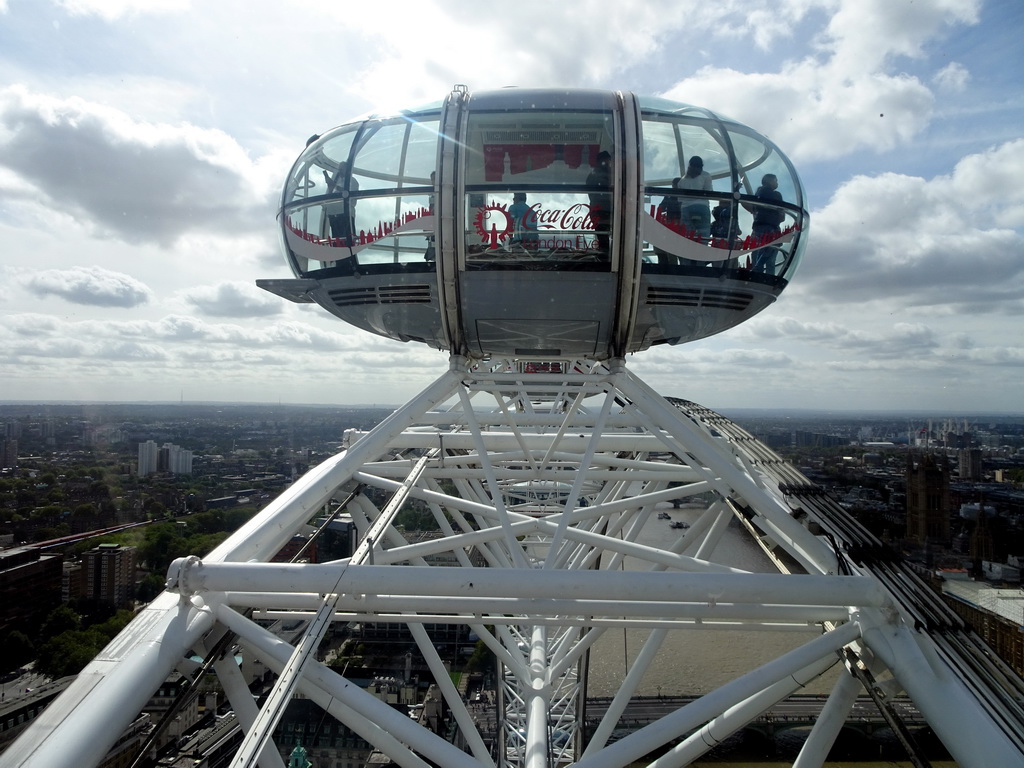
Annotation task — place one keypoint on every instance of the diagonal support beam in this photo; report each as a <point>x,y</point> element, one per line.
<point>273,709</point>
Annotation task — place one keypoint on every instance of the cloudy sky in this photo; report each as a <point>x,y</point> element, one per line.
<point>143,145</point>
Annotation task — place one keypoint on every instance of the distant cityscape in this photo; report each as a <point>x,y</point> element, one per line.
<point>97,499</point>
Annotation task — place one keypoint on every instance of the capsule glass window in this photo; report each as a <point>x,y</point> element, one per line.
<point>538,189</point>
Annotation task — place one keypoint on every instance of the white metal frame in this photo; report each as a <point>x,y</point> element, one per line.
<point>552,586</point>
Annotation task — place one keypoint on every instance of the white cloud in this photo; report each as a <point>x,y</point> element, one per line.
<point>235,299</point>
<point>988,185</point>
<point>953,77</point>
<point>93,286</point>
<point>816,111</point>
<point>129,351</point>
<point>890,340</point>
<point>845,99</point>
<point>32,324</point>
<point>768,24</point>
<point>142,182</point>
<point>158,359</point>
<point>172,343</point>
<point>774,326</point>
<point>864,35</point>
<point>995,356</point>
<point>113,10</point>
<point>902,341</point>
<point>916,241</point>
<point>285,335</point>
<point>532,44</point>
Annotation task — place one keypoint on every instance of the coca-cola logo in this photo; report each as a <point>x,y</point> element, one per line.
<point>495,224</point>
<point>575,217</point>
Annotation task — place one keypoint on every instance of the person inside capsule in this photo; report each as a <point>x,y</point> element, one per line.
<point>601,202</point>
<point>342,212</point>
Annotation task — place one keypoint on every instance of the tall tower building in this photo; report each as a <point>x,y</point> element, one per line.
<point>9,453</point>
<point>928,499</point>
<point>174,458</point>
<point>149,455</point>
<point>970,463</point>
<point>110,574</point>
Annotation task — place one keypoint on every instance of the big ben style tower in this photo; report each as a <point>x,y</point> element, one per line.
<point>927,499</point>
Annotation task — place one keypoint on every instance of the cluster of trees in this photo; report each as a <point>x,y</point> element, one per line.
<point>198,534</point>
<point>67,640</point>
<point>55,503</point>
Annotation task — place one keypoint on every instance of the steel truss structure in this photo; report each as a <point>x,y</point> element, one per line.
<point>548,478</point>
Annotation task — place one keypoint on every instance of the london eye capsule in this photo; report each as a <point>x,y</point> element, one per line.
<point>542,223</point>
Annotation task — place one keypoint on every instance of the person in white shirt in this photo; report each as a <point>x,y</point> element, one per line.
<point>696,215</point>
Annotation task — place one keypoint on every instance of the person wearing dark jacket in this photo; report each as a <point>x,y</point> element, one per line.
<point>767,219</point>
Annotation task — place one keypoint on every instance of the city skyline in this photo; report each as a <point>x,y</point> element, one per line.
<point>143,147</point>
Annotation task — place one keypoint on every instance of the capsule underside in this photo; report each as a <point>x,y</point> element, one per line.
<point>542,223</point>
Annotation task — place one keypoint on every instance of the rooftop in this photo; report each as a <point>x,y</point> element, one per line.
<point>1008,603</point>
